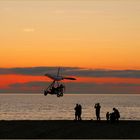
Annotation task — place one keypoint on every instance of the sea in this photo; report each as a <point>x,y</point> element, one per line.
<point>40,107</point>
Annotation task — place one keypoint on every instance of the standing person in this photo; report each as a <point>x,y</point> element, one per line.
<point>112,117</point>
<point>76,111</point>
<point>97,110</point>
<point>107,116</point>
<point>79,112</point>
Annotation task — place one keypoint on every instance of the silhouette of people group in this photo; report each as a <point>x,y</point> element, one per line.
<point>110,117</point>
<point>78,112</point>
<point>114,116</point>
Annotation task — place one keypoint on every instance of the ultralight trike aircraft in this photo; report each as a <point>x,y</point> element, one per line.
<point>56,88</point>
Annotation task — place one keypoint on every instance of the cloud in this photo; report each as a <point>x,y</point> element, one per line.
<point>108,73</point>
<point>30,84</point>
<point>85,88</point>
<point>28,30</point>
<point>73,71</point>
<point>28,87</point>
<point>36,71</point>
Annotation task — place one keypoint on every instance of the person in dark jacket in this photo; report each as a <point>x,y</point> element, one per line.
<point>117,114</point>
<point>97,110</point>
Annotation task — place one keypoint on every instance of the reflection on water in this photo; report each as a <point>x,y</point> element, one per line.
<point>39,107</point>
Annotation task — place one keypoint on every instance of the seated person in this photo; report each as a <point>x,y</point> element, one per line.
<point>54,90</point>
<point>61,88</point>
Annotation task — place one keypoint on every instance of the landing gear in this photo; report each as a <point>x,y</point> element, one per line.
<point>60,94</point>
<point>45,93</point>
<point>56,92</point>
<point>55,89</point>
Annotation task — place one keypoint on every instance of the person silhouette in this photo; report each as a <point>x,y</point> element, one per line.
<point>61,89</point>
<point>112,117</point>
<point>79,112</point>
<point>53,90</point>
<point>97,110</point>
<point>107,116</point>
<point>76,111</point>
<point>117,114</point>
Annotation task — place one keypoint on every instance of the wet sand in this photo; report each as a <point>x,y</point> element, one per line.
<point>64,129</point>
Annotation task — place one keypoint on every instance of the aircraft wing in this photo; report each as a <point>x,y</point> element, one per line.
<point>59,78</point>
<point>50,76</point>
<point>69,78</point>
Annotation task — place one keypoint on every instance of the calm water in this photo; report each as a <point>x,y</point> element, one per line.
<point>39,107</point>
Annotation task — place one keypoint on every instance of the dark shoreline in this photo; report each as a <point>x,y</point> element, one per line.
<point>69,129</point>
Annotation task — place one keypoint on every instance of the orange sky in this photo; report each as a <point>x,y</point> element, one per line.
<point>88,33</point>
<point>93,34</point>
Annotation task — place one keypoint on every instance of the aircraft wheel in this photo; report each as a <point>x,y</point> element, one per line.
<point>58,95</point>
<point>45,93</point>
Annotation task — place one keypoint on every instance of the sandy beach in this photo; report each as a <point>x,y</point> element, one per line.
<point>64,129</point>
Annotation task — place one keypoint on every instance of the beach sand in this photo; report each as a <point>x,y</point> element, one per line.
<point>64,129</point>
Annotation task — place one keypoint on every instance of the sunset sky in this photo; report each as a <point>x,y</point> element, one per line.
<point>93,38</point>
